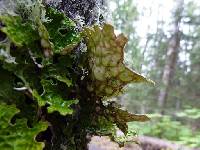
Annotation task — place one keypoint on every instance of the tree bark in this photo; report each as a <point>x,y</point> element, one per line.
<point>83,13</point>
<point>171,56</point>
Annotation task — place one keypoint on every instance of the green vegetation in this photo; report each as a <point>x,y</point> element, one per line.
<point>53,93</point>
<point>149,52</point>
<point>165,127</point>
<point>18,136</point>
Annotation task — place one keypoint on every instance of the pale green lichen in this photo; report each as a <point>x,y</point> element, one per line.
<point>51,97</point>
<point>19,32</point>
<point>44,39</point>
<point>105,56</point>
<point>52,85</point>
<point>18,136</point>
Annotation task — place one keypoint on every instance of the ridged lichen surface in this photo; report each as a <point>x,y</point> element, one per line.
<point>106,61</point>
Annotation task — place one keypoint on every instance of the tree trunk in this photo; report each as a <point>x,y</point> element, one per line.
<point>171,56</point>
<point>83,13</point>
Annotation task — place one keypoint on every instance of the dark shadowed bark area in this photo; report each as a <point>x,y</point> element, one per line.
<point>171,56</point>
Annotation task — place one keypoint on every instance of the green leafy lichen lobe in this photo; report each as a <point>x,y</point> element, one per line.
<point>62,31</point>
<point>106,55</point>
<point>18,136</point>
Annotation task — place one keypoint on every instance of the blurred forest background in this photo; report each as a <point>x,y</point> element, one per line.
<point>164,44</point>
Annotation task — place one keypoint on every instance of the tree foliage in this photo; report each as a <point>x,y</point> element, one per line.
<point>183,95</point>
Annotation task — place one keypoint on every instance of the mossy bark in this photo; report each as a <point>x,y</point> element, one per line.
<point>83,13</point>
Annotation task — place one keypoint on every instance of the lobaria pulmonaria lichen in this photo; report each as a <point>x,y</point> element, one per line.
<point>106,55</point>
<point>53,94</point>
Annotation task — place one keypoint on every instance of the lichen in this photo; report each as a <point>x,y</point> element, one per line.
<point>50,77</point>
<point>17,136</point>
<point>105,56</point>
